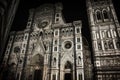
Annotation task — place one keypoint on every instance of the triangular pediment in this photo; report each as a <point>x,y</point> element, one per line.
<point>39,48</point>
<point>67,57</point>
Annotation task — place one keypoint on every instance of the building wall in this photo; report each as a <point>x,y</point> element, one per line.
<point>7,12</point>
<point>48,47</point>
<point>105,39</point>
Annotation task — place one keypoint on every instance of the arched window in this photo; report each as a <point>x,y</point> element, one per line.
<point>118,45</point>
<point>63,32</point>
<point>57,15</point>
<point>55,41</point>
<point>98,14</point>
<point>41,34</point>
<point>105,14</point>
<point>77,30</point>
<point>56,32</point>
<point>46,47</point>
<point>54,61</point>
<point>79,60</point>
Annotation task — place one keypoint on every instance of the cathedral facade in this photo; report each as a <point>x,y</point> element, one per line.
<point>51,49</point>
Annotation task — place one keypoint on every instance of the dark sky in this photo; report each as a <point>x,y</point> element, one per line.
<point>72,10</point>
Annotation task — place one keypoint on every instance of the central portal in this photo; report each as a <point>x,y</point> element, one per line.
<point>68,71</point>
<point>68,76</point>
<point>38,64</point>
<point>38,75</point>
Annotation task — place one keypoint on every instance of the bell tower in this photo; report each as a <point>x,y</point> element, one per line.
<point>105,35</point>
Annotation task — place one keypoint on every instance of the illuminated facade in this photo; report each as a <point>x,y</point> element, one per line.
<point>49,48</point>
<point>105,33</point>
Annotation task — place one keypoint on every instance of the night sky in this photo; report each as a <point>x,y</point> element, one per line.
<point>72,10</point>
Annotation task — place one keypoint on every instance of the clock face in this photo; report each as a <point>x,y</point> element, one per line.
<point>43,24</point>
<point>17,49</point>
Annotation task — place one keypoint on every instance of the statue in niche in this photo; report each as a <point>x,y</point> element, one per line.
<point>111,62</point>
<point>68,65</point>
<point>111,45</point>
<point>105,44</point>
<point>118,45</point>
<point>99,46</point>
<point>108,62</point>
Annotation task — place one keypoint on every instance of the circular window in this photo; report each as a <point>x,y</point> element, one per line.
<point>43,24</point>
<point>68,44</point>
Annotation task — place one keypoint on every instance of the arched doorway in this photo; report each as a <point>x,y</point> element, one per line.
<point>68,75</point>
<point>38,74</point>
<point>38,64</point>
